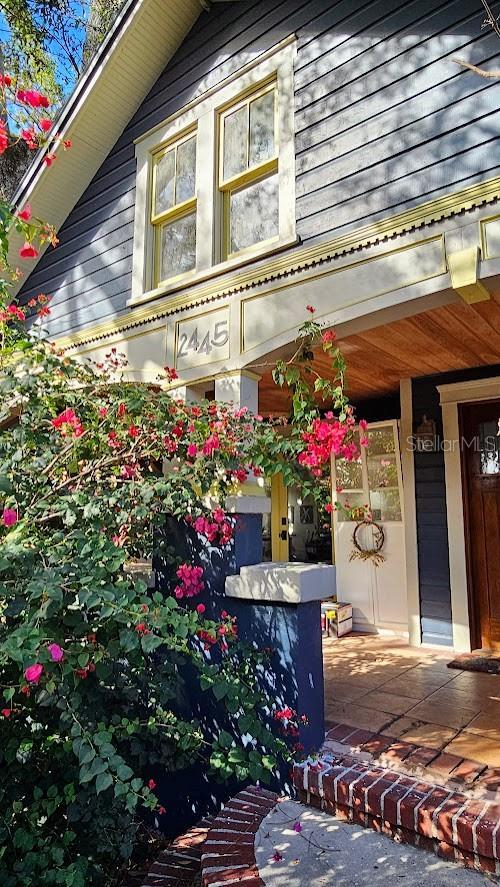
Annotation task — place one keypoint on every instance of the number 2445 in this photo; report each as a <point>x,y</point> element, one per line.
<point>215,338</point>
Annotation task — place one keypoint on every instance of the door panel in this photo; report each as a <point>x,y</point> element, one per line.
<point>481,462</point>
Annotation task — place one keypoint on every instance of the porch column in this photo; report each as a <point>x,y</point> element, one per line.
<point>187,393</point>
<point>240,388</point>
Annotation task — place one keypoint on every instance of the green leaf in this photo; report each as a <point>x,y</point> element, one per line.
<point>103,781</point>
<point>124,772</point>
<point>150,642</point>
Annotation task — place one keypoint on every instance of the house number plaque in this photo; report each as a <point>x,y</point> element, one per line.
<point>202,339</point>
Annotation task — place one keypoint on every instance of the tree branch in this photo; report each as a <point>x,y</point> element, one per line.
<point>495,73</point>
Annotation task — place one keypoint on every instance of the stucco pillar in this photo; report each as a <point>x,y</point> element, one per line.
<point>240,388</point>
<point>187,393</point>
<point>278,606</point>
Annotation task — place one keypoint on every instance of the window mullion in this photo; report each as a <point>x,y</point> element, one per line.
<point>207,206</point>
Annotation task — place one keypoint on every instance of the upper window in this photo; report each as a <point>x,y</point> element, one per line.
<point>249,171</point>
<point>173,208</point>
<point>216,182</point>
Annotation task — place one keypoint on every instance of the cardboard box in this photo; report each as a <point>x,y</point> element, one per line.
<point>336,618</point>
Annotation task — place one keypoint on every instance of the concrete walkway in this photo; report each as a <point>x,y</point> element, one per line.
<point>318,850</point>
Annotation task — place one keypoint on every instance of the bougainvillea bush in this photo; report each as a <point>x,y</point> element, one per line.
<point>91,656</point>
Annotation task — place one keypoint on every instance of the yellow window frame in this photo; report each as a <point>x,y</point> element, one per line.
<point>177,211</point>
<point>251,174</point>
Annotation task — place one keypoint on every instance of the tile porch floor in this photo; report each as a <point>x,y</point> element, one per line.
<point>383,685</point>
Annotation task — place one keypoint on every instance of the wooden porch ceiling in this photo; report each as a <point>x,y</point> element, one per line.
<point>454,337</point>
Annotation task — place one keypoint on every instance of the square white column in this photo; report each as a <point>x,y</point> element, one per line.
<point>240,388</point>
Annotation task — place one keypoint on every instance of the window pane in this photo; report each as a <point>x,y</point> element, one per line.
<point>186,170</point>
<point>254,214</point>
<point>381,440</point>
<point>165,178</point>
<point>262,129</point>
<point>178,246</point>
<point>382,470</point>
<point>349,475</point>
<point>348,502</point>
<point>489,445</point>
<point>385,505</point>
<point>235,142</point>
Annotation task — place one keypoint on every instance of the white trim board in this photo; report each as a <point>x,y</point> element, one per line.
<point>449,397</point>
<point>410,512</point>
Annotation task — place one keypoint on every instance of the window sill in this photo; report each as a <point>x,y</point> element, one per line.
<point>192,278</point>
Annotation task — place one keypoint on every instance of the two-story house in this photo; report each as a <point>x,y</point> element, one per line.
<point>234,162</point>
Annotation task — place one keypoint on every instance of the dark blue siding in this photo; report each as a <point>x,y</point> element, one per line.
<point>385,119</point>
<point>432,525</point>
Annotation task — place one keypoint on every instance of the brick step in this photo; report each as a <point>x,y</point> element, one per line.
<point>456,773</point>
<point>180,864</point>
<point>407,808</point>
<point>228,855</point>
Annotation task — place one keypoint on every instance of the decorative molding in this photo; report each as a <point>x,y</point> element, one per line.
<point>286,266</point>
<point>474,389</point>
<point>464,266</point>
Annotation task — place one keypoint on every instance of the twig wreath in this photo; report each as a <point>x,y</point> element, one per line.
<point>375,552</point>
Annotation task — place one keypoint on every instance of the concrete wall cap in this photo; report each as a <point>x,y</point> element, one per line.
<point>283,583</point>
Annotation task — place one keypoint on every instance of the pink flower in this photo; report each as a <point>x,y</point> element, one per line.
<point>33,98</point>
<point>4,139</point>
<point>201,609</point>
<point>310,309</point>
<point>30,137</point>
<point>49,159</point>
<point>28,251</point>
<point>45,124</point>
<point>161,810</point>
<point>190,581</point>
<point>6,712</point>
<point>363,424</point>
<point>192,450</point>
<point>276,857</point>
<point>56,652</point>
<point>152,784</point>
<point>67,144</point>
<point>9,517</point>
<point>68,423</point>
<point>297,827</point>
<point>25,214</point>
<point>33,673</point>
<point>328,336</point>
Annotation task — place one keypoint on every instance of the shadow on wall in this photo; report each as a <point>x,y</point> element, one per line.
<point>384,119</point>
<point>294,676</point>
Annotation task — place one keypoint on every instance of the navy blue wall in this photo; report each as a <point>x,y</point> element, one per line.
<point>385,119</point>
<point>292,677</point>
<point>432,525</point>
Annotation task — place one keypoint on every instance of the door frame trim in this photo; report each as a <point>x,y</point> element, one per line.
<point>450,396</point>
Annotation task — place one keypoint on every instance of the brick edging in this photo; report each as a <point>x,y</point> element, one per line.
<point>434,765</point>
<point>404,807</point>
<point>228,855</point>
<point>181,862</point>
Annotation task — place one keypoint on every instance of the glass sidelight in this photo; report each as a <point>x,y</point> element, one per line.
<point>374,480</point>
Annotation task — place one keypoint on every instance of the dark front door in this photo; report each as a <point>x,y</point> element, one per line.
<point>481,462</point>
